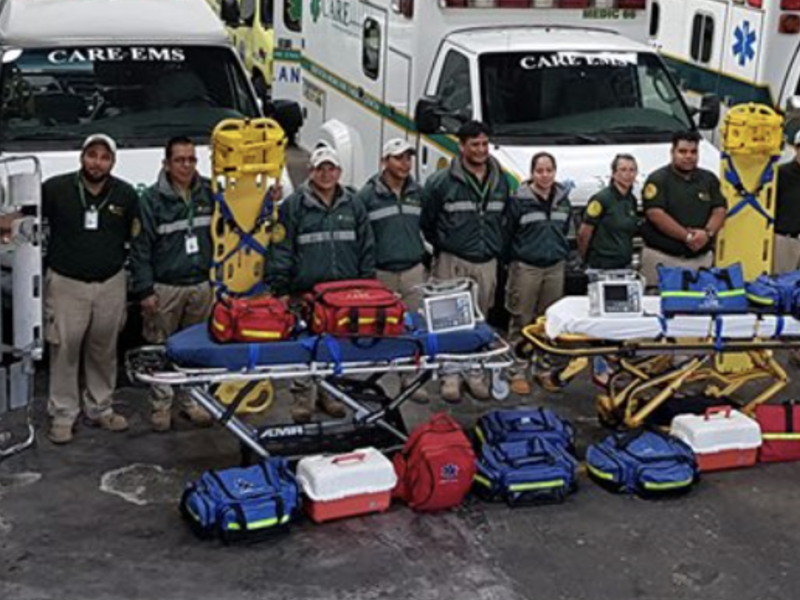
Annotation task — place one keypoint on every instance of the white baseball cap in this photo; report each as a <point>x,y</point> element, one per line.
<point>322,155</point>
<point>797,139</point>
<point>397,147</point>
<point>100,138</point>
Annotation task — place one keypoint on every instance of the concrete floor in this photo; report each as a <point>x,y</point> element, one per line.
<point>98,519</point>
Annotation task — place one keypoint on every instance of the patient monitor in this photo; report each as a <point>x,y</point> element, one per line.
<point>616,293</point>
<point>449,305</point>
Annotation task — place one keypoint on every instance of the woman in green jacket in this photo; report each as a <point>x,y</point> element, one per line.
<point>538,218</point>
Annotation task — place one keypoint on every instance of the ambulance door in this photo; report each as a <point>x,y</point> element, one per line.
<point>742,47</point>
<point>288,50</point>
<point>454,82</point>
<point>707,24</point>
<point>399,112</point>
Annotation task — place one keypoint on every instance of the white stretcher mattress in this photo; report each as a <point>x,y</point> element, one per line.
<point>570,315</point>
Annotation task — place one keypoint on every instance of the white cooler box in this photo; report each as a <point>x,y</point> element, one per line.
<point>722,438</point>
<point>345,485</point>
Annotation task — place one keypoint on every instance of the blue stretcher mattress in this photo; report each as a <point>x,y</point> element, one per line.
<point>193,348</point>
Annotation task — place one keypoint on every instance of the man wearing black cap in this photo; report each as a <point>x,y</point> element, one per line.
<point>91,215</point>
<point>787,214</point>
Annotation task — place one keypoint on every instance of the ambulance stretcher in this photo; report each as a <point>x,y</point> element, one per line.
<point>652,358</point>
<point>348,369</point>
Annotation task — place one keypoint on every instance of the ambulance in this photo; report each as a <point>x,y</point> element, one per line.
<point>141,71</point>
<point>742,50</point>
<point>573,78</point>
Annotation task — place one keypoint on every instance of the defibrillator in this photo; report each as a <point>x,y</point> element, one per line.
<point>615,293</point>
<point>450,305</point>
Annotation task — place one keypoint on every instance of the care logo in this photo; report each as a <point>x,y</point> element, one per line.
<point>449,472</point>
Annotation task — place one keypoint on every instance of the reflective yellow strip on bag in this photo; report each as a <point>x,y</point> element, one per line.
<point>598,473</point>
<point>479,435</point>
<point>264,335</point>
<point>760,299</point>
<point>781,436</point>
<point>540,485</point>
<point>482,480</point>
<point>367,321</point>
<point>259,524</point>
<point>667,485</point>
<point>724,294</point>
<point>218,325</point>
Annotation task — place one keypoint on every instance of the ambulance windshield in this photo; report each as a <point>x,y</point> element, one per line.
<point>140,95</point>
<point>594,97</point>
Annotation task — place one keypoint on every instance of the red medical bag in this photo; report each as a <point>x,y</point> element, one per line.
<point>780,431</point>
<point>356,307</point>
<point>436,466</point>
<point>256,319</point>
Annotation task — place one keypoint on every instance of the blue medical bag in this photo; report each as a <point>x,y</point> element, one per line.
<point>643,462</point>
<point>242,504</point>
<point>703,291</point>
<point>499,426</point>
<point>525,472</point>
<point>779,294</point>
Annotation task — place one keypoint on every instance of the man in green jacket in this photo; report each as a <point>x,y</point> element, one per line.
<point>327,238</point>
<point>170,262</point>
<point>394,204</point>
<point>462,218</point>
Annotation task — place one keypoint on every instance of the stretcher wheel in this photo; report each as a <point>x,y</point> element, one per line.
<point>500,387</point>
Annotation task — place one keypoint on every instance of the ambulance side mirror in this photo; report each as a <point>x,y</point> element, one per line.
<point>793,107</point>
<point>709,112</point>
<point>229,13</point>
<point>427,115</point>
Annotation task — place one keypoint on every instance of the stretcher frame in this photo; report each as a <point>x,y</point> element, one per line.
<point>648,372</point>
<point>150,365</point>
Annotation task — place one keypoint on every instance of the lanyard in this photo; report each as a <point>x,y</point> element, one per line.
<point>82,194</point>
<point>482,190</point>
<point>190,218</point>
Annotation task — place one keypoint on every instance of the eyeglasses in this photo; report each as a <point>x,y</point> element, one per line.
<point>184,160</point>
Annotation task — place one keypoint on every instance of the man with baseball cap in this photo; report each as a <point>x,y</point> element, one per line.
<point>91,215</point>
<point>787,214</point>
<point>394,204</point>
<point>327,238</point>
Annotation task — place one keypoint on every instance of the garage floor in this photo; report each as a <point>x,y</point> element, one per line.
<point>98,519</point>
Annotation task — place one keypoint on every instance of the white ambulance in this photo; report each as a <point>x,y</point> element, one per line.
<point>141,71</point>
<point>576,80</point>
<point>743,50</point>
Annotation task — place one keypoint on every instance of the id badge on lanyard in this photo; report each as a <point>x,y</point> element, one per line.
<point>192,245</point>
<point>91,219</point>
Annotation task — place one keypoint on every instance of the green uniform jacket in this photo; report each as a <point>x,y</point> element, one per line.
<point>395,223</point>
<point>538,229</point>
<point>460,219</point>
<point>321,243</point>
<point>158,252</point>
<point>613,216</point>
<point>689,201</point>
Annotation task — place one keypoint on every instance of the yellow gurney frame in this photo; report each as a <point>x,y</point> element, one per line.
<point>648,374</point>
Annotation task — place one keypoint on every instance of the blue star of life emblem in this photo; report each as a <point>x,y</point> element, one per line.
<point>744,47</point>
<point>449,471</point>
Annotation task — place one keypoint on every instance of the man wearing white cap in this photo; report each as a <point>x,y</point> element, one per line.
<point>394,204</point>
<point>91,215</point>
<point>787,214</point>
<point>328,238</point>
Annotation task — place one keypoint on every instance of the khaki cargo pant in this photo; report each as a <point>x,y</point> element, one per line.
<point>82,324</point>
<point>405,283</point>
<point>529,292</point>
<point>449,266</point>
<point>178,307</point>
<point>786,254</point>
<point>651,258</point>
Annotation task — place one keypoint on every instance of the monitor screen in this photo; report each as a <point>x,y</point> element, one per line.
<point>444,308</point>
<point>616,293</point>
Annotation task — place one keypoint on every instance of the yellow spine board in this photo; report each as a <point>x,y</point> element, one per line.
<point>752,137</point>
<point>248,157</point>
